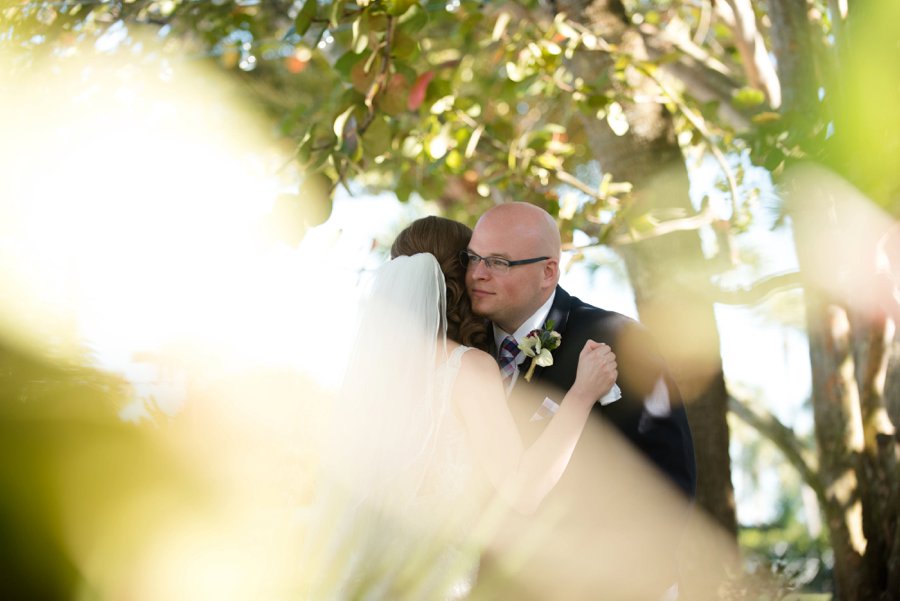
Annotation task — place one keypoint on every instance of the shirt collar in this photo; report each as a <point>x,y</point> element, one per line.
<point>535,322</point>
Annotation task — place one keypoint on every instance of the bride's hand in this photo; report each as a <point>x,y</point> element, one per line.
<point>597,371</point>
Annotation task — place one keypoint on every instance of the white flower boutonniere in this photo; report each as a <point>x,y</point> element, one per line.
<point>537,345</point>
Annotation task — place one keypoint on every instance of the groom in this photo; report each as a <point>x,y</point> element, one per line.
<point>524,295</point>
<point>512,279</point>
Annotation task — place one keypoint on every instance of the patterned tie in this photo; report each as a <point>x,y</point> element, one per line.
<point>509,350</point>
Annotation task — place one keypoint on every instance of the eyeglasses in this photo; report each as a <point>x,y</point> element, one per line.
<point>495,264</point>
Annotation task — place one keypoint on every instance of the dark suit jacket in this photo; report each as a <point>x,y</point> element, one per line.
<point>613,514</point>
<point>665,441</point>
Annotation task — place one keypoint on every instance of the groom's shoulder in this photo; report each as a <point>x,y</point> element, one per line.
<point>584,313</point>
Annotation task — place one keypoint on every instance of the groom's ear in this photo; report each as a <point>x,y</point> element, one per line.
<point>551,272</point>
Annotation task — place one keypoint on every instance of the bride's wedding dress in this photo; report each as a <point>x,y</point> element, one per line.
<point>400,493</point>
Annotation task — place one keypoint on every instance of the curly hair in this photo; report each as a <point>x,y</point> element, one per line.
<point>444,238</point>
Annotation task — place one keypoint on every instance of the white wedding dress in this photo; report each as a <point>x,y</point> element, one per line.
<point>400,494</point>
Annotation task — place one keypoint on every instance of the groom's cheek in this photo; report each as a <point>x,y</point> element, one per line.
<point>480,303</point>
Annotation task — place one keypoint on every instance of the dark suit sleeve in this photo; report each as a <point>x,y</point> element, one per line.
<point>665,439</point>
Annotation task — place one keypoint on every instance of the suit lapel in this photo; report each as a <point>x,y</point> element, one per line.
<point>492,346</point>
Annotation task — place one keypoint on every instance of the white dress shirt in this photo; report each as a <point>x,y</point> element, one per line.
<point>535,322</point>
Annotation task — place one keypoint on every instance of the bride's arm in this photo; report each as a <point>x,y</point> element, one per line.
<point>524,476</point>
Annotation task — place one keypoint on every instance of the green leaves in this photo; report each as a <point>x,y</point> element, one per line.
<point>305,16</point>
<point>395,8</point>
<point>409,90</point>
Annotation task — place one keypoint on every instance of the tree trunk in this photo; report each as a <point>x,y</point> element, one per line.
<point>648,156</point>
<point>838,435</point>
<point>850,332</point>
<point>850,346</point>
<point>858,446</point>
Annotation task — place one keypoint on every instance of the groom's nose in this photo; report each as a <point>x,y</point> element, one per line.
<point>479,271</point>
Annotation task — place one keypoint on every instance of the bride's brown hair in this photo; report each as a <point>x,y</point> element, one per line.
<point>444,238</point>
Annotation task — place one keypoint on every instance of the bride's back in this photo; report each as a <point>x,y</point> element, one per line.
<point>397,471</point>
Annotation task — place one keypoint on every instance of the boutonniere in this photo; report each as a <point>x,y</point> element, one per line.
<point>537,345</point>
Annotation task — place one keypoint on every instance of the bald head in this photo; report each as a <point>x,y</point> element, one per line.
<point>527,236</point>
<point>526,222</point>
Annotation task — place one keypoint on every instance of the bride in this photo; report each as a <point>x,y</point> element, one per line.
<point>422,444</point>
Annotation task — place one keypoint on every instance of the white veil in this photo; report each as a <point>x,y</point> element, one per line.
<point>378,451</point>
<point>387,412</point>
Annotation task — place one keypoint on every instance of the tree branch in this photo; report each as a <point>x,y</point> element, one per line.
<point>560,174</point>
<point>382,78</point>
<point>759,290</point>
<point>597,230</point>
<point>565,177</point>
<point>705,77</point>
<point>700,126</point>
<point>782,437</point>
<point>750,295</point>
<point>740,17</point>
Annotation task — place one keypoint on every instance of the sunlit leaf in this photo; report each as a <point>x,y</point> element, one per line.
<point>341,122</point>
<point>559,147</point>
<point>442,105</point>
<point>439,144</point>
<point>500,26</point>
<point>568,205</point>
<point>473,141</point>
<point>303,147</point>
<point>766,117</point>
<point>359,34</point>
<point>603,188</point>
<point>337,12</point>
<point>548,161</point>
<point>565,29</point>
<point>414,20</point>
<point>513,72</point>
<point>551,48</point>
<point>411,147</point>
<point>617,120</point>
<point>748,97</point>
<point>454,160</point>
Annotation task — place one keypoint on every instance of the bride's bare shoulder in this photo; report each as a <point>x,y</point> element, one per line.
<point>479,361</point>
<point>474,359</point>
<point>479,376</point>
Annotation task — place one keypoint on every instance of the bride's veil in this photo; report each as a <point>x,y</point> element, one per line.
<point>377,452</point>
<point>387,413</point>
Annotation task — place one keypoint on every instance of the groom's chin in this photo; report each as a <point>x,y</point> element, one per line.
<point>480,306</point>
